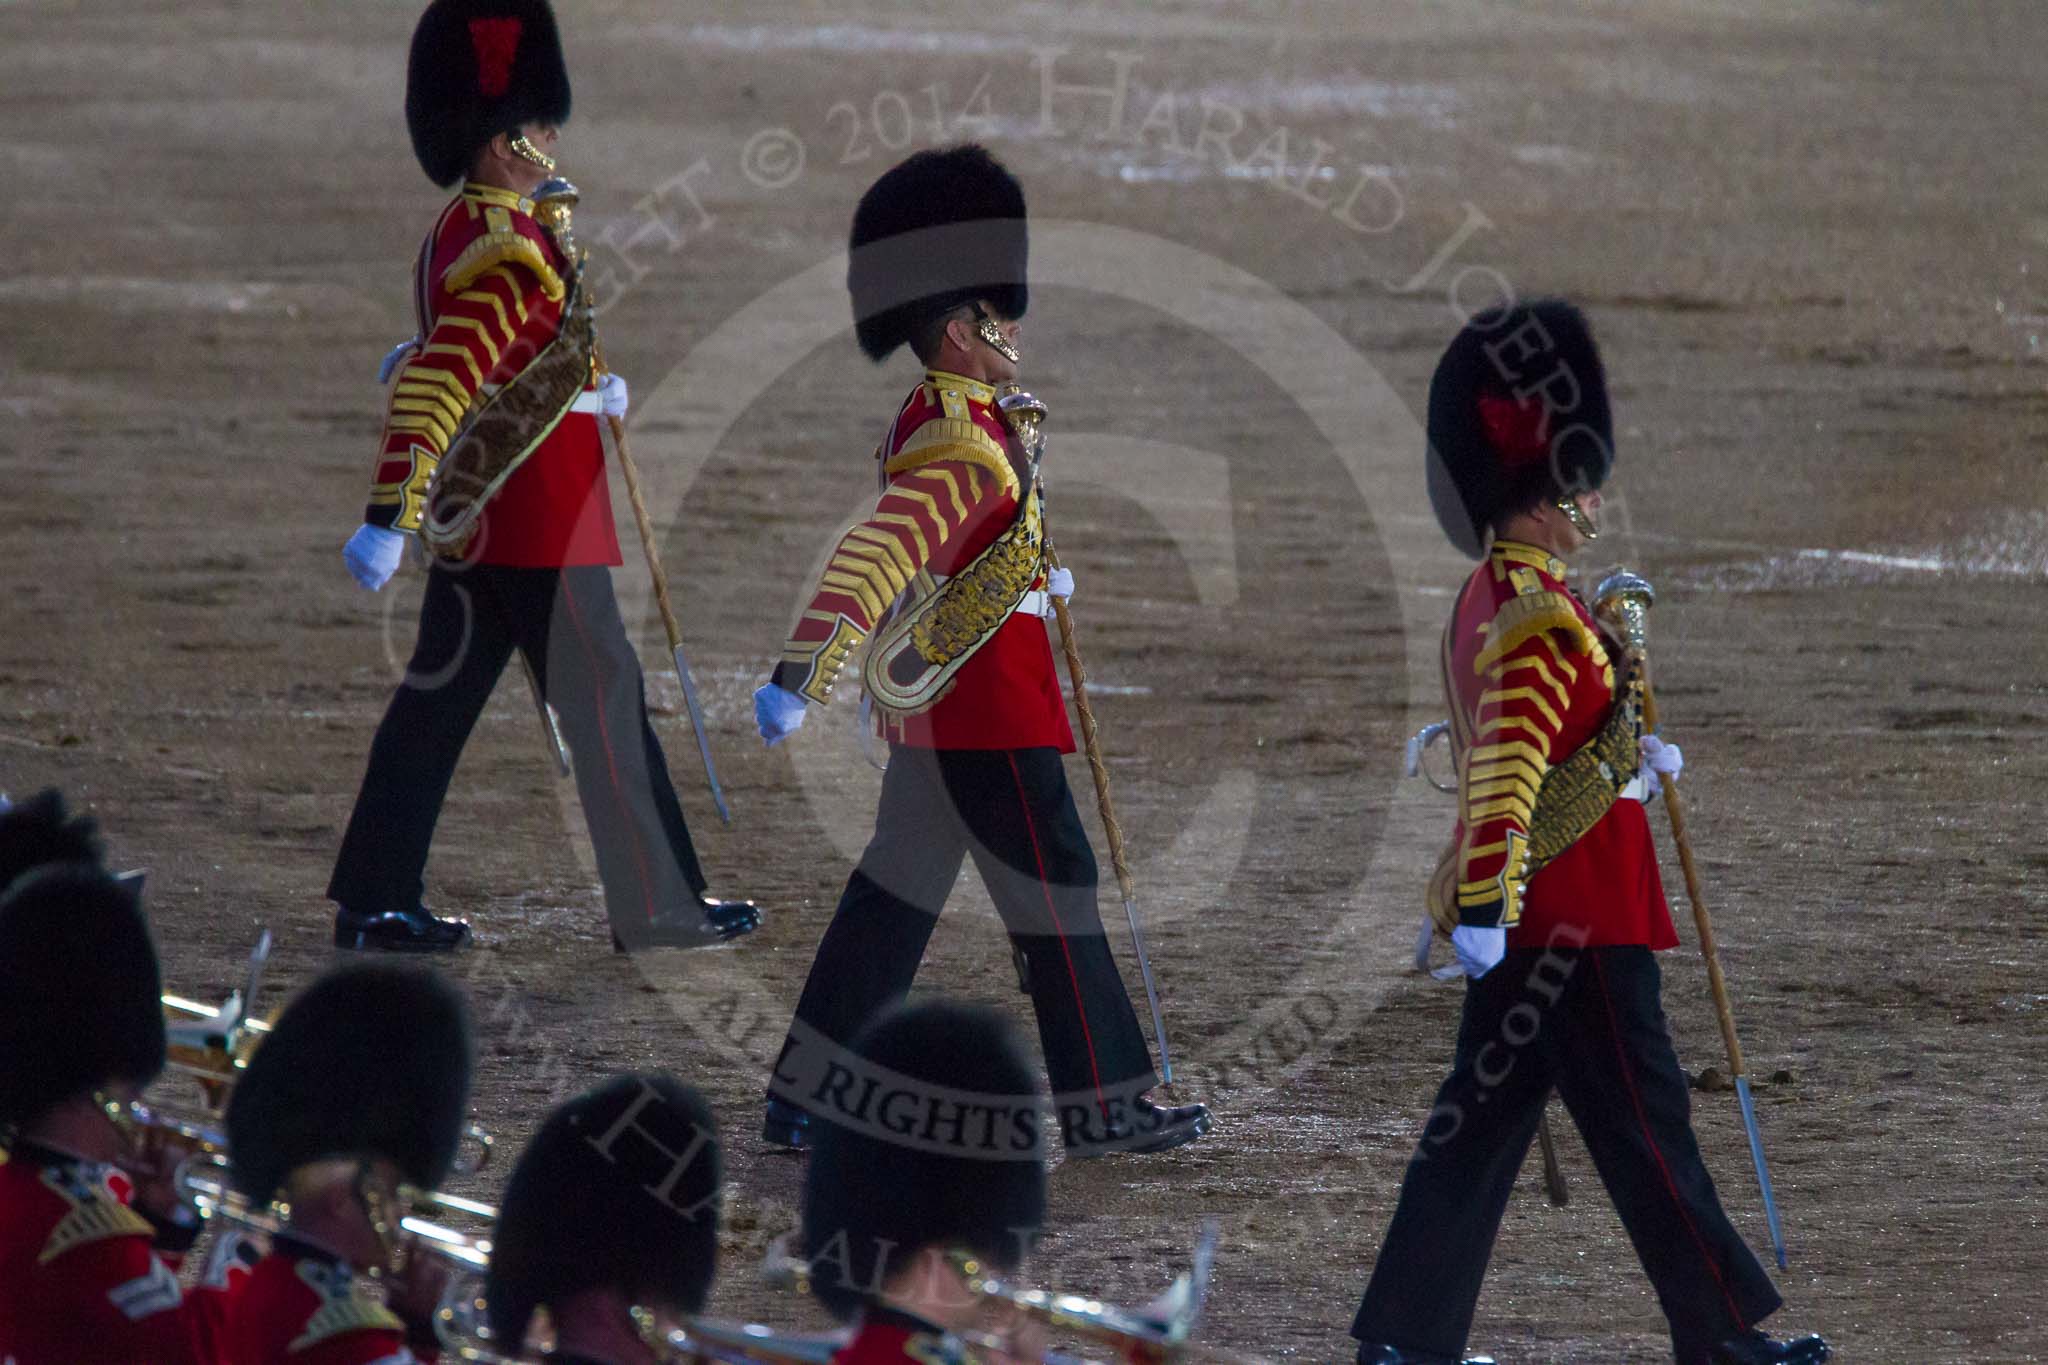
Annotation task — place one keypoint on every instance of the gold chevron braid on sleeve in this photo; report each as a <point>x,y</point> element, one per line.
<point>1577,792</point>
<point>504,430</point>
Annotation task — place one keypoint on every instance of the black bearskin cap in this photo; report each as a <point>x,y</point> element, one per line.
<point>369,1061</point>
<point>480,68</point>
<point>939,229</point>
<point>874,1196</point>
<point>80,994</point>
<point>620,1188</point>
<point>39,831</point>
<point>1517,413</point>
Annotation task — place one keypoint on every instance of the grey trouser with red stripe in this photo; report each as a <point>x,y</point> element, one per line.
<point>566,622</point>
<point>1589,1023</point>
<point>1012,812</point>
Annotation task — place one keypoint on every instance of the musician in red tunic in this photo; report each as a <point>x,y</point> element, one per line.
<point>486,89</point>
<point>947,1161</point>
<point>1549,890</point>
<point>362,1087</point>
<point>92,1234</point>
<point>947,576</point>
<point>609,1223</point>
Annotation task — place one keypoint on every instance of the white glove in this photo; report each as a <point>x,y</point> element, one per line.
<point>611,396</point>
<point>1479,950</point>
<point>1060,583</point>
<point>1662,759</point>
<point>372,554</point>
<point>778,713</point>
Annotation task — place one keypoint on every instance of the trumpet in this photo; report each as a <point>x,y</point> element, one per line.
<point>461,1326</point>
<point>1156,1333</point>
<point>202,1182</point>
<point>212,1043</point>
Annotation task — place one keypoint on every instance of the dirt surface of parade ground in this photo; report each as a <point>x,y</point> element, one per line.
<point>1813,239</point>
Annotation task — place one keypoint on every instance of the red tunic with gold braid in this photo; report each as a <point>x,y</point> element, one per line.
<point>302,1307</point>
<point>81,1279</point>
<point>951,488</point>
<point>1529,681</point>
<point>488,291</point>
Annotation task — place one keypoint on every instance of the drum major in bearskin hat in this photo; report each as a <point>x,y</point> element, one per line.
<point>80,992</point>
<point>873,1199</point>
<point>370,1061</point>
<point>1518,415</point>
<point>479,68</point>
<point>619,1189</point>
<point>939,230</point>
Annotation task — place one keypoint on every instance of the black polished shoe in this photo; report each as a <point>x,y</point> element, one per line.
<point>397,931</point>
<point>733,918</point>
<point>1372,1353</point>
<point>1758,1349</point>
<point>717,922</point>
<point>1151,1128</point>
<point>786,1126</point>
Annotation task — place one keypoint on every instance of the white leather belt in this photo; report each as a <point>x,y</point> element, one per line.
<point>587,401</point>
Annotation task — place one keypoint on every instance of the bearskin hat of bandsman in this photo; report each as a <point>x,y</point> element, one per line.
<point>370,1061</point>
<point>40,830</point>
<point>940,229</point>
<point>909,1172</point>
<point>80,991</point>
<point>1517,415</point>
<point>480,68</point>
<point>619,1189</point>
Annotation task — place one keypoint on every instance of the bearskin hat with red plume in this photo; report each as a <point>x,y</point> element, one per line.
<point>480,68</point>
<point>1517,415</point>
<point>939,229</point>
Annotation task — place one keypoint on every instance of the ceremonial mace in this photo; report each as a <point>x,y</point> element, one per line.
<point>1624,600</point>
<point>1025,417</point>
<point>553,204</point>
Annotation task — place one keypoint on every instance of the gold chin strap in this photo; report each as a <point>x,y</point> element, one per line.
<point>378,1209</point>
<point>985,327</point>
<point>526,151</point>
<point>1576,515</point>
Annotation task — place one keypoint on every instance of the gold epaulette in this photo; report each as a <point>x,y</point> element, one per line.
<point>1528,615</point>
<point>343,1314</point>
<point>954,438</point>
<point>502,245</point>
<point>93,1220</point>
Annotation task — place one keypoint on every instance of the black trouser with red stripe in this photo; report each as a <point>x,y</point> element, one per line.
<point>566,622</point>
<point>1590,1024</point>
<point>1012,811</point>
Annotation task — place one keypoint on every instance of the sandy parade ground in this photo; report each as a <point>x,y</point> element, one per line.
<point>1813,238</point>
